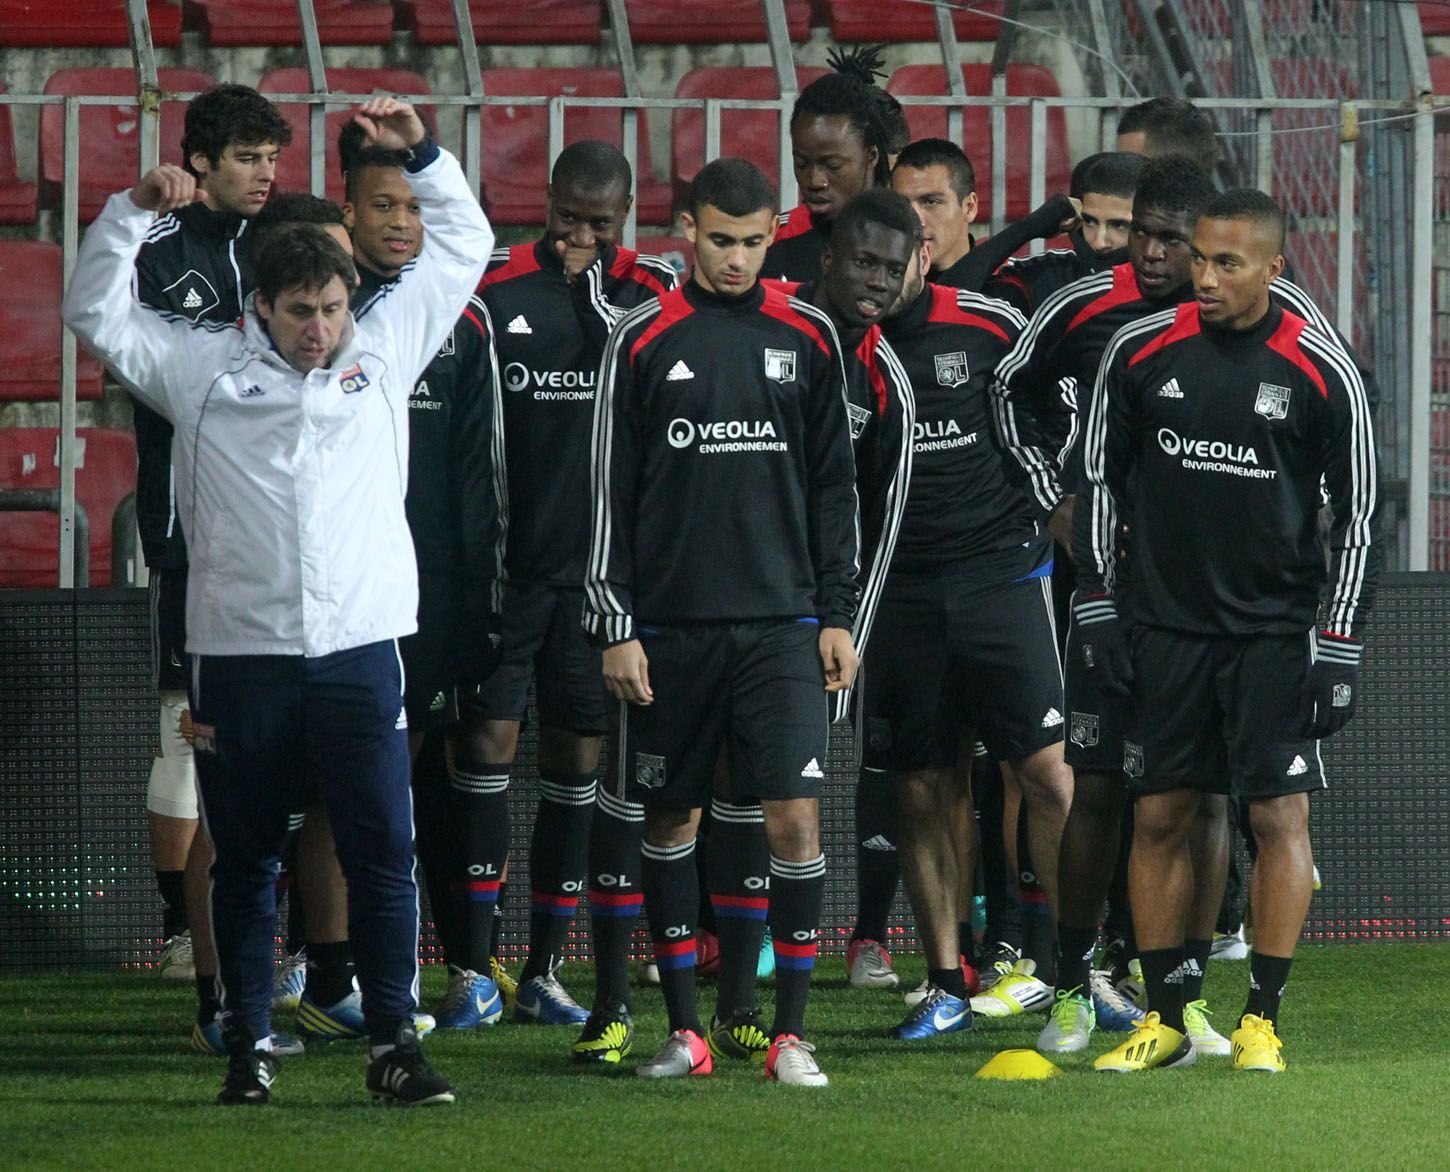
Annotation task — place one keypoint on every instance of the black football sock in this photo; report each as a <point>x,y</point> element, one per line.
<point>481,792</point>
<point>877,868</point>
<point>739,878</point>
<point>797,894</point>
<point>616,894</point>
<point>558,864</point>
<point>495,927</point>
<point>1195,965</point>
<point>1163,983</point>
<point>948,981</point>
<point>1267,977</point>
<point>672,898</point>
<point>1075,957</point>
<point>173,912</point>
<point>330,972</point>
<point>968,945</point>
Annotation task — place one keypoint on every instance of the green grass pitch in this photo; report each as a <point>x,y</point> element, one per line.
<point>94,1073</point>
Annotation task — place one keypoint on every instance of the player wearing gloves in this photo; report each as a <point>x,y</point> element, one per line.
<point>1215,431</point>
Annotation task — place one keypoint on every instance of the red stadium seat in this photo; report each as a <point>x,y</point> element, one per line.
<point>1434,18</point>
<point>105,474</point>
<point>17,197</point>
<point>750,133</point>
<point>516,138</point>
<point>522,22</point>
<point>675,249</point>
<point>110,138</point>
<point>276,22</point>
<point>30,290</point>
<point>906,20</point>
<point>931,122</point>
<point>705,22</point>
<point>294,165</point>
<point>58,24</point>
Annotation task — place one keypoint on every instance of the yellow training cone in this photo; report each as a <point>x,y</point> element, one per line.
<point>1012,1065</point>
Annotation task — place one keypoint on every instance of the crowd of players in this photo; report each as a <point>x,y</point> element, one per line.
<point>1145,463</point>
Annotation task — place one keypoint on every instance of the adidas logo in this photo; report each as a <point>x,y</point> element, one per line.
<point>520,326</point>
<point>1297,766</point>
<point>813,769</point>
<point>1052,719</point>
<point>439,702</point>
<point>251,392</point>
<point>1170,390</point>
<point>878,842</point>
<point>192,300</point>
<point>678,373</point>
<point>402,721</point>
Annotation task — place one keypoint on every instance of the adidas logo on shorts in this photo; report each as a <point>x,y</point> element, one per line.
<point>813,770</point>
<point>1052,719</point>
<point>1297,767</point>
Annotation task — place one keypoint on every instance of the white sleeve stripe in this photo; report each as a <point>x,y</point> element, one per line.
<point>896,497</point>
<point>1363,483</point>
<point>615,618</point>
<point>496,448</point>
<point>1104,520</point>
<point>1041,475</point>
<point>980,302</point>
<point>1058,302</point>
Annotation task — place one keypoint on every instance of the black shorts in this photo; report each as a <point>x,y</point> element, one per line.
<point>758,689</point>
<point>544,642</point>
<point>170,666</point>
<point>963,652</point>
<point>430,694</point>
<point>1219,715</point>
<point>1096,718</point>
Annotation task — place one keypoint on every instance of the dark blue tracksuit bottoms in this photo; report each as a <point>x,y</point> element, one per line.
<point>275,733</point>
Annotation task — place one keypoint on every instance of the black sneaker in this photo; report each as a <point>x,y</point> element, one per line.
<point>403,1076</point>
<point>249,1075</point>
<point>607,1037</point>
<point>741,1037</point>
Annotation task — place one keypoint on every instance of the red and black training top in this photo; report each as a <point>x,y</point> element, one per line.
<point>550,335</point>
<point>724,487</point>
<point>1213,445</point>
<point>797,250</point>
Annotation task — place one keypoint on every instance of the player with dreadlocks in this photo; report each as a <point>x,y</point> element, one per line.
<point>841,137</point>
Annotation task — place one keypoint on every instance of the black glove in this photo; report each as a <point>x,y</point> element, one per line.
<point>1332,687</point>
<point>1101,637</point>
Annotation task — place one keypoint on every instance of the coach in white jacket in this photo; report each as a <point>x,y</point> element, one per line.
<point>291,459</point>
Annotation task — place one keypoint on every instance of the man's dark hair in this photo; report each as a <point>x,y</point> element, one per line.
<point>941,152</point>
<point>736,187</point>
<point>877,205</point>
<point>1246,203</point>
<point>1114,173</point>
<point>227,114</point>
<point>867,65</point>
<point>290,207</point>
<point>301,255</point>
<point>1173,184</point>
<point>1173,126</point>
<point>846,95</point>
<point>350,140</point>
<point>591,166</point>
<point>365,157</point>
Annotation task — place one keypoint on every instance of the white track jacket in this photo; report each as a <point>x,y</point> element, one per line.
<point>289,486</point>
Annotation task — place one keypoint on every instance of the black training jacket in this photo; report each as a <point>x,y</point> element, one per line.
<point>961,502</point>
<point>457,502</point>
<point>724,486</point>
<point>1218,448</point>
<point>194,263</point>
<point>549,336</point>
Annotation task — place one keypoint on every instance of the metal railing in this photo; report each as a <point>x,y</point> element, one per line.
<point>1398,337</point>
